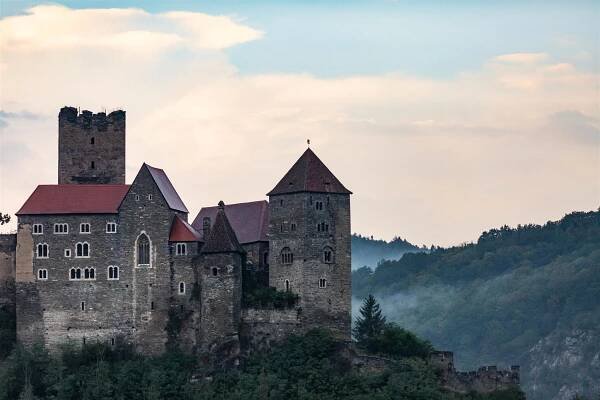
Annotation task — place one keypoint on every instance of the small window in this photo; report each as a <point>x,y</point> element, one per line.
<point>67,252</point>
<point>287,285</point>
<point>137,197</point>
<point>89,273</point>
<point>113,273</point>
<point>84,227</point>
<point>281,203</point>
<point>42,250</point>
<point>152,305</point>
<point>92,140</point>
<point>83,309</point>
<point>111,227</point>
<point>181,249</point>
<point>287,257</point>
<point>181,287</point>
<point>328,255</point>
<point>318,205</point>
<point>61,229</point>
<point>293,227</point>
<point>215,271</point>
<point>112,341</point>
<point>149,197</point>
<point>38,229</point>
<point>42,274</point>
<point>322,283</point>
<point>265,258</point>
<point>93,165</point>
<point>323,227</point>
<point>82,250</point>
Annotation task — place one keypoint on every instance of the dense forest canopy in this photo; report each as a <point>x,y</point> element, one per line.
<point>526,295</point>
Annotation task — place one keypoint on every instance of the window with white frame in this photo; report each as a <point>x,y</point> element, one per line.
<point>75,274</point>
<point>181,287</point>
<point>42,274</point>
<point>322,283</point>
<point>150,197</point>
<point>181,249</point>
<point>89,273</point>
<point>137,197</point>
<point>67,252</point>
<point>113,273</point>
<point>61,229</point>
<point>42,250</point>
<point>82,250</point>
<point>38,229</point>
<point>287,285</point>
<point>111,227</point>
<point>85,228</point>
<point>143,250</point>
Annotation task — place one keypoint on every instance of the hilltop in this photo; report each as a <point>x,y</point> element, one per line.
<point>525,295</point>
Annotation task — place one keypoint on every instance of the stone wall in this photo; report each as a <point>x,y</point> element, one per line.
<point>8,248</point>
<point>91,147</point>
<point>261,328</point>
<point>293,223</point>
<point>484,380</point>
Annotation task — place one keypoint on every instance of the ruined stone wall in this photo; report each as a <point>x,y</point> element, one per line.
<point>255,254</point>
<point>484,380</point>
<point>294,219</point>
<point>261,328</point>
<point>8,248</point>
<point>91,147</point>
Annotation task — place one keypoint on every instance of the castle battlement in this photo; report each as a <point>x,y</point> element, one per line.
<point>89,120</point>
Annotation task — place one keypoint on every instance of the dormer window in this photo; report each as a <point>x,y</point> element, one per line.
<point>181,249</point>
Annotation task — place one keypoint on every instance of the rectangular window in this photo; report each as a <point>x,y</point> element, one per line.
<point>83,309</point>
<point>38,229</point>
<point>67,252</point>
<point>181,249</point>
<point>42,274</point>
<point>111,227</point>
<point>61,229</point>
<point>322,283</point>
<point>84,228</point>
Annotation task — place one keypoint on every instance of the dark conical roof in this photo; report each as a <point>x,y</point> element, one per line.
<point>221,238</point>
<point>309,174</point>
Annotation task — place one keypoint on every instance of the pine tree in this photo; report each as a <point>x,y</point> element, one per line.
<point>370,323</point>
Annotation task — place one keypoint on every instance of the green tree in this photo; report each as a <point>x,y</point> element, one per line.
<point>370,323</point>
<point>4,219</point>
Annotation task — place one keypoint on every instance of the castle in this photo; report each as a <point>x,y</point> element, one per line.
<point>100,260</point>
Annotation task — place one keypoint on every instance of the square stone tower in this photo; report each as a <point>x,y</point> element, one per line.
<point>91,147</point>
<point>310,236</point>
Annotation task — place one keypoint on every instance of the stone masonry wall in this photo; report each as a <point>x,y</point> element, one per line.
<point>328,306</point>
<point>261,328</point>
<point>91,147</point>
<point>8,248</point>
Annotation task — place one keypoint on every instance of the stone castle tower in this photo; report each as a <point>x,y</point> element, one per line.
<point>309,234</point>
<point>91,147</point>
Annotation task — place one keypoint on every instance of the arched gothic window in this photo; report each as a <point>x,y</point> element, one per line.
<point>82,250</point>
<point>287,257</point>
<point>143,250</point>
<point>42,250</point>
<point>328,255</point>
<point>113,273</point>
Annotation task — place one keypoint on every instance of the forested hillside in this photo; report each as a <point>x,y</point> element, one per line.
<point>369,252</point>
<point>528,295</point>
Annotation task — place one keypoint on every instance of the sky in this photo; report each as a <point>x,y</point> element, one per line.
<point>445,120</point>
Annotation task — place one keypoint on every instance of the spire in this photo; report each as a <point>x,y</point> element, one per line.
<point>309,174</point>
<point>222,238</point>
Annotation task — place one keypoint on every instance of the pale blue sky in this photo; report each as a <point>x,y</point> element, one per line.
<point>422,38</point>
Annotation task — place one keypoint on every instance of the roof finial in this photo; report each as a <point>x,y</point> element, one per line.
<point>221,205</point>
<point>308,142</point>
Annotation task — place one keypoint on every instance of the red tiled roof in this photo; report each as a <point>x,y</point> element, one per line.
<point>181,231</point>
<point>309,174</point>
<point>74,199</point>
<point>222,238</point>
<point>250,221</point>
<point>166,188</point>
